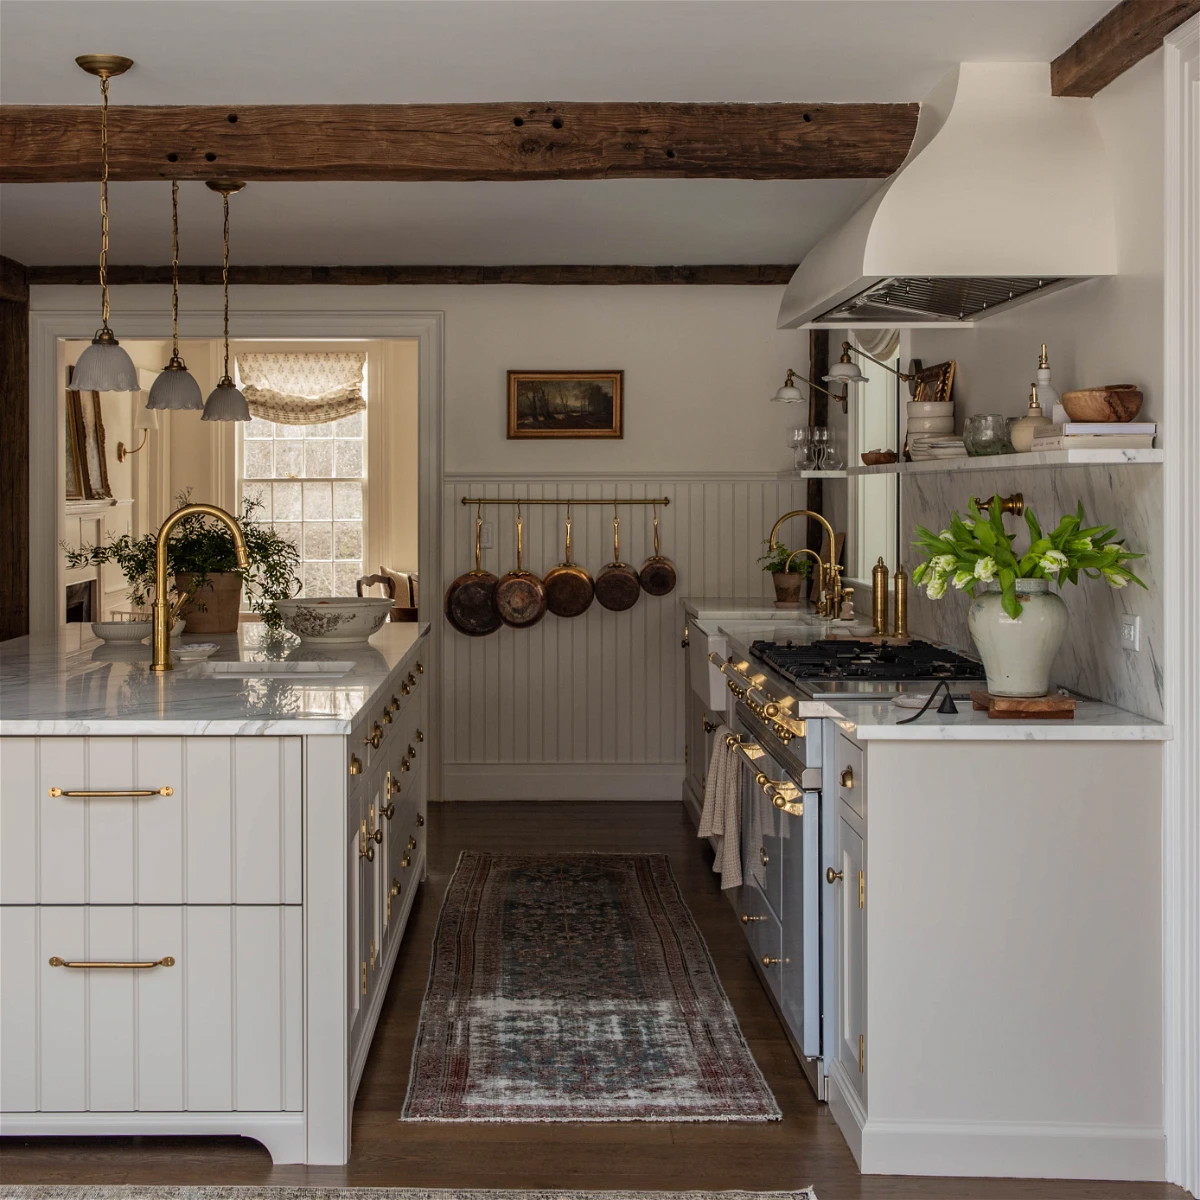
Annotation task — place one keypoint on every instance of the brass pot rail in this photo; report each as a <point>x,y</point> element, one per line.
<point>782,793</point>
<point>168,961</point>
<point>748,688</point>
<point>663,500</point>
<point>85,793</point>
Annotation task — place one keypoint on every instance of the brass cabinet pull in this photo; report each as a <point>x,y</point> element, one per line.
<point>420,669</point>
<point>412,843</point>
<point>764,858</point>
<point>390,785</point>
<point>420,735</point>
<point>406,861</point>
<point>412,751</point>
<point>747,918</point>
<point>376,835</point>
<point>395,704</point>
<point>420,819</point>
<point>394,890</point>
<point>832,876</point>
<point>404,765</point>
<point>386,716</point>
<point>81,793</point>
<point>355,765</point>
<point>768,961</point>
<point>168,961</point>
<point>847,778</point>
<point>388,812</point>
<point>374,955</point>
<point>375,736</point>
<point>411,680</point>
<point>405,689</point>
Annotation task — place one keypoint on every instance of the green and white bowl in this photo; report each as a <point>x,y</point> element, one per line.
<point>334,619</point>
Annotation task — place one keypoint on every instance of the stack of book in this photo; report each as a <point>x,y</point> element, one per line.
<point>1095,435</point>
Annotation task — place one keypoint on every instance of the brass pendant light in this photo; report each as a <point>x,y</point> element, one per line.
<point>176,387</point>
<point>104,366</point>
<point>225,402</point>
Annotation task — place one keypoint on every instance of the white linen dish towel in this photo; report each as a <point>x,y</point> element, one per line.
<point>721,816</point>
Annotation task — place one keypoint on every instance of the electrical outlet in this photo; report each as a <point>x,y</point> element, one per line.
<point>1131,632</point>
<point>485,535</point>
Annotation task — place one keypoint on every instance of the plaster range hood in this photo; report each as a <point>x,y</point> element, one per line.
<point>1005,195</point>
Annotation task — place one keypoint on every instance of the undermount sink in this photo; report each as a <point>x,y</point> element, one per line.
<point>296,669</point>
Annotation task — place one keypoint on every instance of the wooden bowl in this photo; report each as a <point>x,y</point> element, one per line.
<point>1113,402</point>
<point>875,458</point>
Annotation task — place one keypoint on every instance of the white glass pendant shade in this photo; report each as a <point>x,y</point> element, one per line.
<point>145,418</point>
<point>788,394</point>
<point>226,403</point>
<point>845,372</point>
<point>104,367</point>
<point>175,388</point>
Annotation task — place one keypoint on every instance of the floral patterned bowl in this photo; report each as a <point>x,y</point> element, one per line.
<point>334,619</point>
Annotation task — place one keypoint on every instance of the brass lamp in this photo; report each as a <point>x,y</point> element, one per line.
<point>789,393</point>
<point>145,419</point>
<point>225,402</point>
<point>846,370</point>
<point>176,387</point>
<point>104,366</point>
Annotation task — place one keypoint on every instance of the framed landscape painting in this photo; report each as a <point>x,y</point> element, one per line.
<point>565,404</point>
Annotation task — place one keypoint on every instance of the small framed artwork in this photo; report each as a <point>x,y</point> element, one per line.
<point>74,451</point>
<point>934,383</point>
<point>95,464</point>
<point>566,404</point>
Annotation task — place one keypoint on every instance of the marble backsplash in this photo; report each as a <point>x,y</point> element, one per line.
<point>1091,661</point>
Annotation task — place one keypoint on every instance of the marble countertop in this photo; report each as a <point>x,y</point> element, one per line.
<point>867,720</point>
<point>60,684</point>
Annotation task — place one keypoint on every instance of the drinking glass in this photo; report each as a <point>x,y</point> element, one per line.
<point>833,456</point>
<point>820,445</point>
<point>801,448</point>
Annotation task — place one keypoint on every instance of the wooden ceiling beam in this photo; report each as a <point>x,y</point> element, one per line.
<point>458,142</point>
<point>14,281</point>
<point>1121,38</point>
<point>754,274</point>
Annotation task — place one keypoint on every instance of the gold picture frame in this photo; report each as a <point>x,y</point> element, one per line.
<point>72,447</point>
<point>566,404</point>
<point>932,384</point>
<point>93,459</point>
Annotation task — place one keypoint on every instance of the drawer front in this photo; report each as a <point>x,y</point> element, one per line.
<point>762,843</point>
<point>850,775</point>
<point>765,935</point>
<point>228,831</point>
<point>219,1030</point>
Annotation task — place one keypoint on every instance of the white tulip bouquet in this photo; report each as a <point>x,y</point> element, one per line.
<point>977,549</point>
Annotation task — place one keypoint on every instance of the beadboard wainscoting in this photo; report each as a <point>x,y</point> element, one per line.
<point>591,707</point>
<point>1092,660</point>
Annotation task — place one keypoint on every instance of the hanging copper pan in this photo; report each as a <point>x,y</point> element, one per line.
<point>471,598</point>
<point>569,587</point>
<point>617,585</point>
<point>520,595</point>
<point>658,576</point>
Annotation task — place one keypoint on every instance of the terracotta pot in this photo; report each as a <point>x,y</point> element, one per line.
<point>788,586</point>
<point>222,600</point>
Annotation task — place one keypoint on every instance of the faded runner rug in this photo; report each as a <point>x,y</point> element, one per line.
<point>576,988</point>
<point>57,1191</point>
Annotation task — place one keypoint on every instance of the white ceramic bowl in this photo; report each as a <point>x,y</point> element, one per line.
<point>929,408</point>
<point>121,631</point>
<point>334,619</point>
<point>194,651</point>
<point>931,424</point>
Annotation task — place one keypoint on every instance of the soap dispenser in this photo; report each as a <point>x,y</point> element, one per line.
<point>1021,433</point>
<point>1047,396</point>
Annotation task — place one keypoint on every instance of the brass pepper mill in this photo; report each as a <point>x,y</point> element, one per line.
<point>900,582</point>
<point>879,599</point>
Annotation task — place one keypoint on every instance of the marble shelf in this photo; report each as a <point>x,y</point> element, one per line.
<point>998,462</point>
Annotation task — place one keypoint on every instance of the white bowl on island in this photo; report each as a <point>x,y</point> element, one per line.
<point>334,619</point>
<point>128,631</point>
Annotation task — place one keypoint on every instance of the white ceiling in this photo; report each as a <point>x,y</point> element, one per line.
<point>403,51</point>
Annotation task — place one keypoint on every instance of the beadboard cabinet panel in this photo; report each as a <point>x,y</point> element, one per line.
<point>229,832</point>
<point>218,1030</point>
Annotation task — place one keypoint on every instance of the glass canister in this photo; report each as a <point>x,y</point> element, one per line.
<point>986,433</point>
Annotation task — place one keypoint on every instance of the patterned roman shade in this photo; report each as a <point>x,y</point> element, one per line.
<point>303,389</point>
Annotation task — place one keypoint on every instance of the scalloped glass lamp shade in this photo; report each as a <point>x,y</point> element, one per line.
<point>845,372</point>
<point>226,403</point>
<point>788,394</point>
<point>104,367</point>
<point>175,389</point>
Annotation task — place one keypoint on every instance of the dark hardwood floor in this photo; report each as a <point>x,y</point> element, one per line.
<point>804,1148</point>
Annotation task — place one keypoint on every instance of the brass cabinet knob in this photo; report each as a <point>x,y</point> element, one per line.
<point>832,876</point>
<point>395,704</point>
<point>709,727</point>
<point>406,861</point>
<point>404,765</point>
<point>405,689</point>
<point>386,716</point>
<point>747,918</point>
<point>847,778</point>
<point>355,767</point>
<point>412,844</point>
<point>376,835</point>
<point>420,735</point>
<point>411,680</point>
<point>394,890</point>
<point>388,811</point>
<point>420,819</point>
<point>375,736</point>
<point>411,752</point>
<point>420,668</point>
<point>768,961</point>
<point>764,858</point>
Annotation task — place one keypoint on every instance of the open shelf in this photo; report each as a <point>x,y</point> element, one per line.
<point>996,462</point>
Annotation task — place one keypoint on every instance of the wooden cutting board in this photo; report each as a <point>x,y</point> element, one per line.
<point>1025,708</point>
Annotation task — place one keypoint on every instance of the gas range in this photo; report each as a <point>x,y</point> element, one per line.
<point>849,669</point>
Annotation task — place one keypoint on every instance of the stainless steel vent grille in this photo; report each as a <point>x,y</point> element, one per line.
<point>953,298</point>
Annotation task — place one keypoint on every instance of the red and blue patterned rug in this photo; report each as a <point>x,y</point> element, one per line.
<point>576,988</point>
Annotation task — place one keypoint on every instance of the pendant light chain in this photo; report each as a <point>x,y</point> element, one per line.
<point>174,268</point>
<point>225,281</point>
<point>104,201</point>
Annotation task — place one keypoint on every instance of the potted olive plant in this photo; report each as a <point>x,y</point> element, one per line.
<point>788,579</point>
<point>1017,623</point>
<point>201,561</point>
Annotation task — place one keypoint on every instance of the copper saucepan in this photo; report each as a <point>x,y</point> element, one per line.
<point>617,585</point>
<point>569,587</point>
<point>658,575</point>
<point>471,598</point>
<point>520,595</point>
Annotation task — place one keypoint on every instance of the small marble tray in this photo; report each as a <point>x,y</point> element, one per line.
<point>194,651</point>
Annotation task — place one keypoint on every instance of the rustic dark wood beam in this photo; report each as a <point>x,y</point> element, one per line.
<point>14,284</point>
<point>1122,37</point>
<point>538,275</point>
<point>498,141</point>
<point>14,450</point>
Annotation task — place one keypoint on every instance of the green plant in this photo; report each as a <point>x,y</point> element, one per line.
<point>978,549</point>
<point>776,561</point>
<point>202,547</point>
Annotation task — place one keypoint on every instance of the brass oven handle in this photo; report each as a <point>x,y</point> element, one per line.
<point>832,876</point>
<point>168,961</point>
<point>80,793</point>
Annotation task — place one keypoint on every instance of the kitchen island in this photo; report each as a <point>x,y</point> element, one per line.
<point>238,842</point>
<point>984,894</point>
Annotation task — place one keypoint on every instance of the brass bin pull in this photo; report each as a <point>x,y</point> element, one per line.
<point>80,793</point>
<point>168,961</point>
<point>847,778</point>
<point>355,767</point>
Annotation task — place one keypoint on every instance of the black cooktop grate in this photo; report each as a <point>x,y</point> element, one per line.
<point>852,660</point>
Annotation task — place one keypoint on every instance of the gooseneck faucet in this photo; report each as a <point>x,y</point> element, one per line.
<point>831,592</point>
<point>164,612</point>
